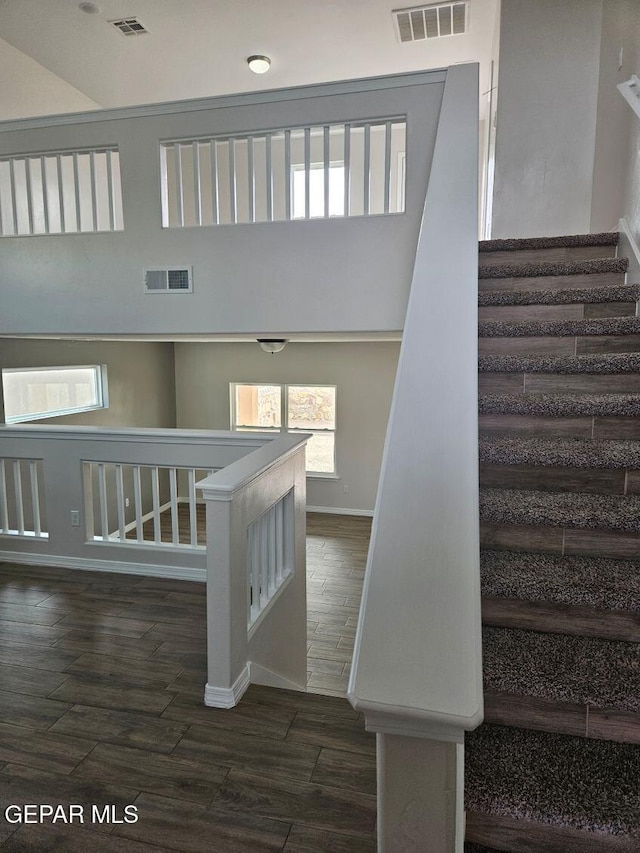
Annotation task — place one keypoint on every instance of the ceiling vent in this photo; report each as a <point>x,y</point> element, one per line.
<point>168,280</point>
<point>431,22</point>
<point>129,27</point>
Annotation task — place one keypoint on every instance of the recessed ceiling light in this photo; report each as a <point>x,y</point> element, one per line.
<point>259,64</point>
<point>89,8</point>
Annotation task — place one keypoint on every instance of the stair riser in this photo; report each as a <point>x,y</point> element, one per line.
<point>525,256</point>
<point>550,479</point>
<point>553,282</point>
<point>556,540</point>
<point>579,311</point>
<point>576,345</point>
<point>551,383</point>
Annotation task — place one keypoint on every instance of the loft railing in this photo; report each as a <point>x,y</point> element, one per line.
<point>328,179</point>
<point>248,543</point>
<point>417,673</point>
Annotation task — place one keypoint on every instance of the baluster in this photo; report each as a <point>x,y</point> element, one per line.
<point>279,524</point>
<point>29,193</point>
<point>327,166</point>
<point>155,489</point>
<point>269,177</point>
<point>193,514</point>
<point>307,172</point>
<point>347,168</point>
<point>367,169</point>
<point>76,187</point>
<point>233,188</point>
<point>112,210</point>
<point>45,195</point>
<point>272,535</point>
<point>4,508</point>
<point>120,503</point>
<point>251,181</point>
<point>94,195</point>
<point>14,200</point>
<point>197,186</point>
<point>60,193</point>
<point>177,159</point>
<point>387,165</point>
<point>104,509</point>
<point>17,486</point>
<point>137,501</point>
<point>215,191</point>
<point>287,174</point>
<point>173,491</point>
<point>35,497</point>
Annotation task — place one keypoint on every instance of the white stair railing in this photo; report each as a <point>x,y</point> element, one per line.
<point>417,672</point>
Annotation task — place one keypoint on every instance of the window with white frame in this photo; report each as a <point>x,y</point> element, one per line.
<point>32,393</point>
<point>270,407</point>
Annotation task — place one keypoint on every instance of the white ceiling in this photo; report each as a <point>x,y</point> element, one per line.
<point>198,48</point>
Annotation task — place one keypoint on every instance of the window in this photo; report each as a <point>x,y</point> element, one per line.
<point>290,408</point>
<point>46,392</point>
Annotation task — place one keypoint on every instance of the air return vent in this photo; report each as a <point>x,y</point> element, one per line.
<point>168,280</point>
<point>430,22</point>
<point>130,27</point>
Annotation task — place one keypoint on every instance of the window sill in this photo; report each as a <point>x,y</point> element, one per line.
<point>320,476</point>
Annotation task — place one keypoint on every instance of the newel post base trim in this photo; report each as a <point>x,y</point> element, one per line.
<point>227,697</point>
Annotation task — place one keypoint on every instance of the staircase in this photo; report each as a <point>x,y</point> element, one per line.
<point>556,765</point>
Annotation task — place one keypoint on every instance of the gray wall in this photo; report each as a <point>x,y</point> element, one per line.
<point>140,377</point>
<point>546,119</point>
<point>364,374</point>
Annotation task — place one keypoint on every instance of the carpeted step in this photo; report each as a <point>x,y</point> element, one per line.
<point>533,269</point>
<point>561,668</point>
<point>559,405</point>
<point>577,581</point>
<point>608,238</point>
<point>561,328</point>
<point>618,293</point>
<point>560,509</point>
<point>600,363</point>
<point>555,780</point>
<point>558,452</point>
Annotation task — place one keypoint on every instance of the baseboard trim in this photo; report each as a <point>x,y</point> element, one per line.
<point>227,697</point>
<point>117,566</point>
<point>336,510</point>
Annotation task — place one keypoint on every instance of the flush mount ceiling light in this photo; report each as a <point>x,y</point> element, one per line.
<point>89,8</point>
<point>259,64</point>
<point>272,344</point>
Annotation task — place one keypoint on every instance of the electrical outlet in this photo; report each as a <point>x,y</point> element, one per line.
<point>75,518</point>
<point>127,502</point>
<point>345,489</point>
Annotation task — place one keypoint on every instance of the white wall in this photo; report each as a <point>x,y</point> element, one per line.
<point>364,374</point>
<point>140,378</point>
<point>546,119</point>
<point>615,165</point>
<point>29,88</point>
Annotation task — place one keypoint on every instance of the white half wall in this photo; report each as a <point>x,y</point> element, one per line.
<point>364,374</point>
<point>546,117</point>
<point>140,378</point>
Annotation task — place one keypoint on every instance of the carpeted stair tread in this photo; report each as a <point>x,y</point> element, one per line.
<point>528,269</point>
<point>601,363</point>
<point>560,405</point>
<point>566,452</point>
<point>614,293</point>
<point>553,779</point>
<point>560,509</point>
<point>560,328</point>
<point>609,238</point>
<point>562,668</point>
<point>595,582</point>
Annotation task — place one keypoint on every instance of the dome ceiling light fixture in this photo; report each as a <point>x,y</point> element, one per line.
<point>89,8</point>
<point>272,344</point>
<point>259,64</point>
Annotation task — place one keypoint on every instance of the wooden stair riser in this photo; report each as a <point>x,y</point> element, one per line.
<point>572,311</point>
<point>561,541</point>
<point>553,282</point>
<point>561,254</point>
<point>620,428</point>
<point>603,481</point>
<point>554,383</point>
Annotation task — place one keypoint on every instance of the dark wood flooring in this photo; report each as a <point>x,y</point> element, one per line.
<point>101,684</point>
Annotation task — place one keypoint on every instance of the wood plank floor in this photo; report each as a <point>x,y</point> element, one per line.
<point>101,682</point>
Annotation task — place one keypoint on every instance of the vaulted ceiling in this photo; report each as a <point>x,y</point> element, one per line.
<point>54,57</point>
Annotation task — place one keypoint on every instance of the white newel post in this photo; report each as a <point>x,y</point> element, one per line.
<point>256,584</point>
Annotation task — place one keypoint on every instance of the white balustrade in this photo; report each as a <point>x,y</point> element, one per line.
<point>142,504</point>
<point>347,169</point>
<point>269,555</point>
<point>21,505</point>
<point>65,192</point>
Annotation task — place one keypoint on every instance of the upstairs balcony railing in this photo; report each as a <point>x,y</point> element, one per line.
<point>129,501</point>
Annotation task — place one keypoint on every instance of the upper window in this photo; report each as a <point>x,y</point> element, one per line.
<point>290,408</point>
<point>66,192</point>
<point>46,392</point>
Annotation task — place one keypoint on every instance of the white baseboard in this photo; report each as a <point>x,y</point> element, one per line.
<point>628,247</point>
<point>261,675</point>
<point>336,510</point>
<point>227,697</point>
<point>149,569</point>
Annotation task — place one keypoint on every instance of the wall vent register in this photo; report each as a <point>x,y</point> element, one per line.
<point>432,21</point>
<point>168,280</point>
